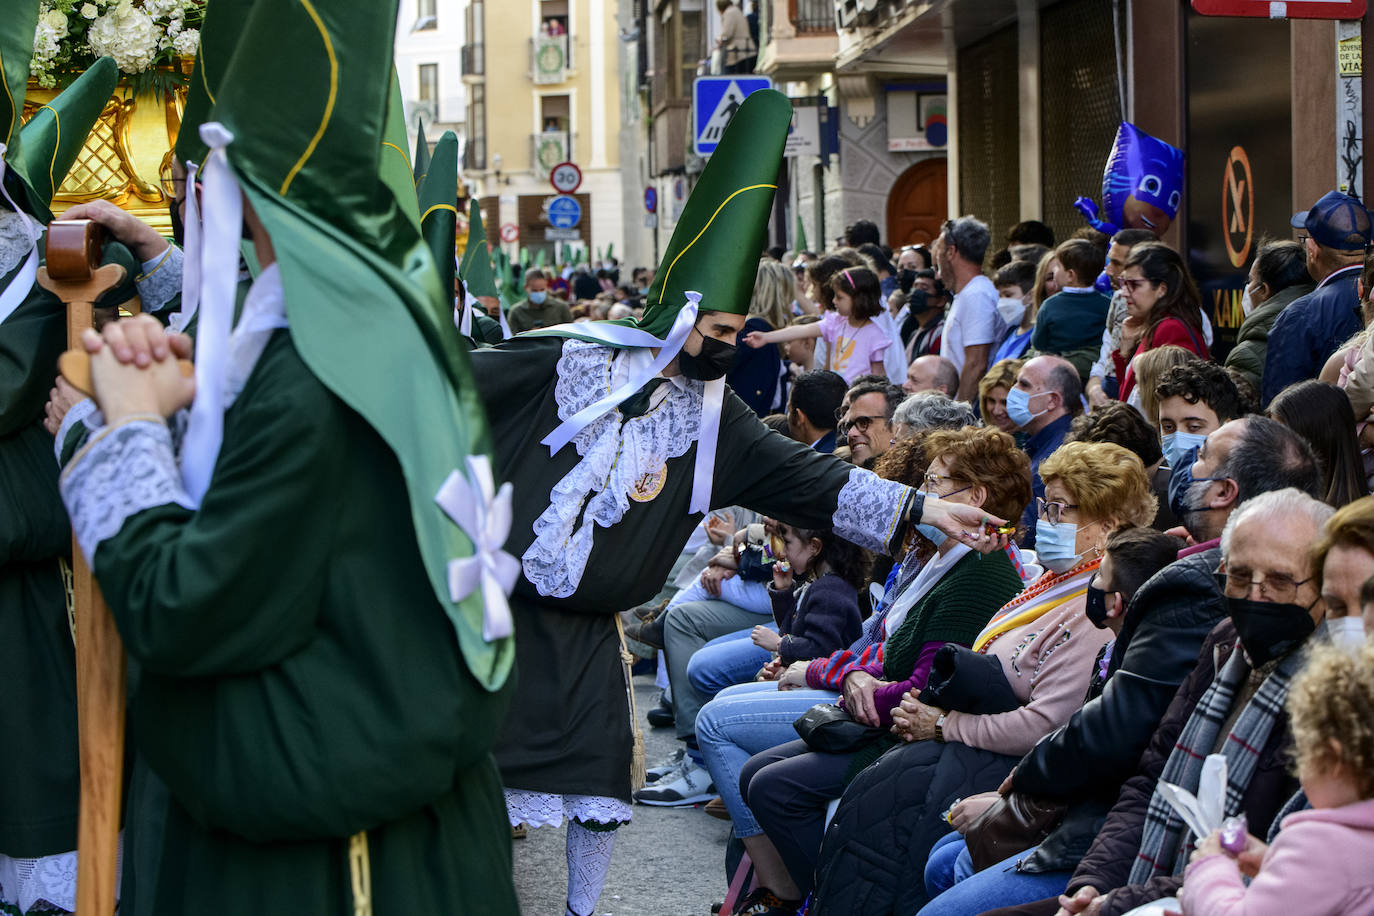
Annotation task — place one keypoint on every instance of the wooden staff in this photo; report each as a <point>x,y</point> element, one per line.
<point>74,274</point>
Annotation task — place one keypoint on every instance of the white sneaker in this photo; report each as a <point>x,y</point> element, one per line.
<point>691,787</point>
<point>668,766</point>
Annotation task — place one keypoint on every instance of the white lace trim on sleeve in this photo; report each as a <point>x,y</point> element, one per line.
<point>870,510</point>
<point>122,471</point>
<point>543,809</point>
<point>79,411</point>
<point>161,279</point>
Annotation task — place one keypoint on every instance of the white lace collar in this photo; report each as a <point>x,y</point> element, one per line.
<point>621,460</point>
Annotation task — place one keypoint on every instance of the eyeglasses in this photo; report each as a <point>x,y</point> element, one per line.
<point>1133,284</point>
<point>1052,512</point>
<point>863,423</point>
<point>1277,587</point>
<point>932,483</point>
<point>171,185</point>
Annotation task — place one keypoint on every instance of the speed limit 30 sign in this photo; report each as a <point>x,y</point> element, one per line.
<point>565,177</point>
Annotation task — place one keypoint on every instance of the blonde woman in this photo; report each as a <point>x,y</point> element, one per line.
<point>756,375</point>
<point>1150,367</point>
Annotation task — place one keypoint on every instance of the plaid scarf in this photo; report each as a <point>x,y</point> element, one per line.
<point>1165,837</point>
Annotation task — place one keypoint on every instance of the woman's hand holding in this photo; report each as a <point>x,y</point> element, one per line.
<point>712,577</point>
<point>771,671</point>
<point>859,687</point>
<point>914,720</point>
<point>968,810</point>
<point>765,638</point>
<point>968,524</point>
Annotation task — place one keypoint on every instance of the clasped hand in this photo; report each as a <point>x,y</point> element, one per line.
<point>134,368</point>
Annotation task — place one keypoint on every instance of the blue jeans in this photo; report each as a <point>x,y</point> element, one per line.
<point>751,596</point>
<point>726,661</point>
<point>997,886</point>
<point>739,723</point>
<point>948,864</point>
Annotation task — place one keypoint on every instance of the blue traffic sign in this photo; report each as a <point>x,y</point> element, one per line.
<point>715,99</point>
<point>651,199</point>
<point>564,212</point>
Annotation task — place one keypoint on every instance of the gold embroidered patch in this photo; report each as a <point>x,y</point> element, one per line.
<point>650,485</point>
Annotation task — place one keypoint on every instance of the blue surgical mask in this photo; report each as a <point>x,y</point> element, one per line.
<point>1018,407</point>
<point>1346,632</point>
<point>1180,482</point>
<point>538,298</point>
<point>1178,446</point>
<point>933,534</point>
<point>1055,545</point>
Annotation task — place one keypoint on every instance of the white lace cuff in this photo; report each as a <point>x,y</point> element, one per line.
<point>544,809</point>
<point>871,511</point>
<point>79,411</point>
<point>125,469</point>
<point>161,279</point>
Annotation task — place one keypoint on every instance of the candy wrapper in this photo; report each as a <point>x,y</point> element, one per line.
<point>1204,812</point>
<point>1142,185</point>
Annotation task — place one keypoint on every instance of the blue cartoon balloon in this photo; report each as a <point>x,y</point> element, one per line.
<point>1142,185</point>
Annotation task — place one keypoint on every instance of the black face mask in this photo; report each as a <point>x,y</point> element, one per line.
<point>906,279</point>
<point>715,359</point>
<point>1268,630</point>
<point>1096,611</point>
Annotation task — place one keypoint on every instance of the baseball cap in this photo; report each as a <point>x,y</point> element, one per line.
<point>1336,221</point>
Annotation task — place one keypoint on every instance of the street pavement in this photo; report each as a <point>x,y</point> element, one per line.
<point>667,862</point>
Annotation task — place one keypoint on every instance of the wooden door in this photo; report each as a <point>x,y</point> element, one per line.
<point>916,205</point>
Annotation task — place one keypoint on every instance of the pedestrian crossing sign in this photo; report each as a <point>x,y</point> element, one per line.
<point>715,99</point>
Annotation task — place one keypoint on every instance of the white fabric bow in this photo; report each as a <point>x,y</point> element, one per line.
<point>484,514</point>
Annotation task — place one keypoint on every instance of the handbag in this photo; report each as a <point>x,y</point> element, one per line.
<point>831,729</point>
<point>1014,823</point>
<point>965,681</point>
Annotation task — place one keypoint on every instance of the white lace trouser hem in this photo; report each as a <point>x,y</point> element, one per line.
<point>48,882</point>
<point>544,809</point>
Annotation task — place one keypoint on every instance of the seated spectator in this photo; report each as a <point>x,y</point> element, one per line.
<point>1192,401</point>
<point>1163,307</point>
<point>1017,308</point>
<point>1160,612</point>
<point>1149,369</point>
<point>1278,276</point>
<point>1103,385</point>
<point>1318,864</point>
<point>811,408</point>
<point>1124,426</point>
<point>756,374</point>
<point>1344,558</point>
<point>947,598</point>
<point>1043,402</point>
<point>892,814</point>
<point>931,373</point>
<point>1321,414</point>
<point>992,394</point>
<point>1070,323</point>
<point>930,410</point>
<point>1311,327</point>
<point>866,424</point>
<point>1232,703</point>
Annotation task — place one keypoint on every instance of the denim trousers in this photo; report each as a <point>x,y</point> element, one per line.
<point>726,661</point>
<point>739,723</point>
<point>995,886</point>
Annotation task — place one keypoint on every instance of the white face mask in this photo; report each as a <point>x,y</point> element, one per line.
<point>1346,632</point>
<point>1247,305</point>
<point>1012,309</point>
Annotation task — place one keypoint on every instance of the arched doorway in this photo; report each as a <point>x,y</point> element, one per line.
<point>916,205</point>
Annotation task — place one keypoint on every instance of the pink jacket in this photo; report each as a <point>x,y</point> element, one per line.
<point>1321,864</point>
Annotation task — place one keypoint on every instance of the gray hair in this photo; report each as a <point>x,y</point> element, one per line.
<point>970,237</point>
<point>1277,506</point>
<point>1269,456</point>
<point>933,410</point>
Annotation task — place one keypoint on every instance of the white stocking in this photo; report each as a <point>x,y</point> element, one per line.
<point>589,858</point>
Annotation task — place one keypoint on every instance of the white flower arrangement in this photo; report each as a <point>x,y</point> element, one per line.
<point>141,35</point>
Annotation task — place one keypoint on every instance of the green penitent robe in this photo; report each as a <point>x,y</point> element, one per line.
<point>599,532</point>
<point>293,678</point>
<point>38,772</point>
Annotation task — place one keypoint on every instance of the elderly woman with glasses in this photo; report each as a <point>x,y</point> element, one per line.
<point>1045,646</point>
<point>941,593</point>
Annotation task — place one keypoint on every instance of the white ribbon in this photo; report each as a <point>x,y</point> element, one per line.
<point>18,289</point>
<point>618,335</point>
<point>712,400</point>
<point>219,272</point>
<point>462,313</point>
<point>192,248</point>
<point>484,515</point>
<point>506,332</point>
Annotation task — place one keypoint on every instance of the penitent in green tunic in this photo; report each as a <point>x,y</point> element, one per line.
<point>38,771</point>
<point>293,678</point>
<point>599,525</point>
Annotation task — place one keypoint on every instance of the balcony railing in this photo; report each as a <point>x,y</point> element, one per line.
<point>550,58</point>
<point>474,60</point>
<point>810,17</point>
<point>475,155</point>
<point>548,148</point>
